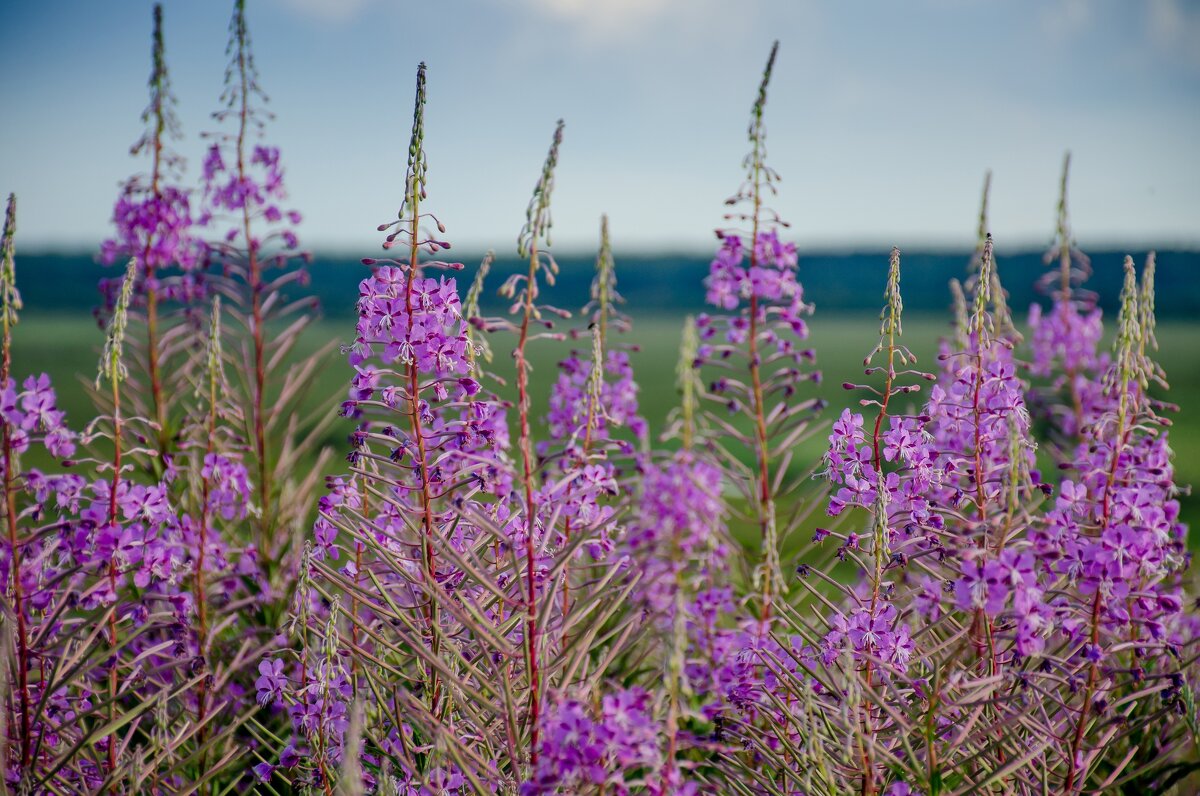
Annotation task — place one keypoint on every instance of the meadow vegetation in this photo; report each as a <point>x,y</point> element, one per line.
<point>544,547</point>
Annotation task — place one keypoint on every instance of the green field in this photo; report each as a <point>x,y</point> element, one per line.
<point>67,347</point>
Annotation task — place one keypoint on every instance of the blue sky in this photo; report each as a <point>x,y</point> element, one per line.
<point>882,116</point>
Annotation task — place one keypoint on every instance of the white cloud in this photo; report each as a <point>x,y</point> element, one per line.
<point>603,23</point>
<point>1174,28</point>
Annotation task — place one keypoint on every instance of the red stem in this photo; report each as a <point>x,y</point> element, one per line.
<point>201,596</point>
<point>868,787</point>
<point>255,284</point>
<point>589,419</point>
<point>1093,669</point>
<point>760,424</point>
<point>531,629</point>
<point>10,512</point>
<point>981,622</point>
<point>112,568</point>
<point>414,391</point>
<point>156,389</point>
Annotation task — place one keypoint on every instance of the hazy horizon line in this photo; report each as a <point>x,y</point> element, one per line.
<point>820,247</point>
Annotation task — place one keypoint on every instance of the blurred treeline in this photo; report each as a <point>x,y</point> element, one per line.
<point>672,283</point>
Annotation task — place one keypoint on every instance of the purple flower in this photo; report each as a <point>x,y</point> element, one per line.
<point>271,681</point>
<point>580,748</point>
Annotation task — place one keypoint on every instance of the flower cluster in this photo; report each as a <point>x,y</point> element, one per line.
<point>572,400</point>
<point>613,749</point>
<point>32,412</point>
<point>870,634</point>
<point>906,445</point>
<point>423,324</point>
<point>318,702</point>
<point>754,353</point>
<point>256,189</point>
<point>419,329</point>
<point>229,493</point>
<point>777,304</point>
<point>677,533</point>
<point>154,226</point>
<point>1065,339</point>
<point>153,214</point>
<point>770,275</point>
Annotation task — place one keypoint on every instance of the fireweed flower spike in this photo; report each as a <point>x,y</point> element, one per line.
<point>1126,549</point>
<point>20,726</point>
<point>259,261</point>
<point>416,355</point>
<point>119,551</point>
<point>112,369</point>
<point>883,465</point>
<point>678,542</point>
<point>18,721</point>
<point>1065,339</point>
<point>981,425</point>
<point>753,281</point>
<point>92,571</point>
<point>759,333</point>
<point>871,638</point>
<point>536,230</point>
<point>594,398</point>
<point>412,542</point>
<point>215,496</point>
<point>576,509</point>
<point>153,220</point>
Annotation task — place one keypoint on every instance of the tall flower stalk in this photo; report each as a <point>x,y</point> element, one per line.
<point>753,279</point>
<point>422,523</point>
<point>1065,340</point>
<point>537,229</point>
<point>10,305</point>
<point>884,472</point>
<point>1123,515</point>
<point>760,180</point>
<point>244,192</point>
<point>113,370</point>
<point>153,220</point>
<point>591,402</point>
<point>409,221</point>
<point>28,566</point>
